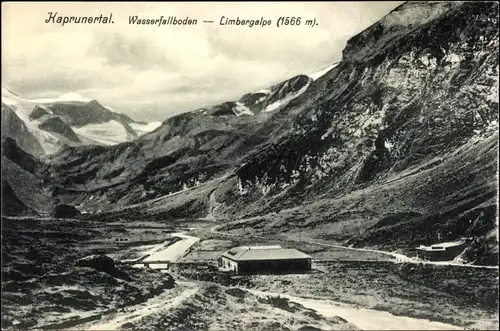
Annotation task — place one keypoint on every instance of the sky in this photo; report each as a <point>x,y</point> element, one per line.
<point>151,73</point>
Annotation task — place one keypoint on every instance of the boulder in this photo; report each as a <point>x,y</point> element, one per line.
<point>102,263</point>
<point>65,211</point>
<point>98,262</point>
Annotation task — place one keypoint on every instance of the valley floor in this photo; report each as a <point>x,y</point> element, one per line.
<point>355,318</point>
<point>347,289</point>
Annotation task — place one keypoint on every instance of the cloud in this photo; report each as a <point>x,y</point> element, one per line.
<point>117,49</point>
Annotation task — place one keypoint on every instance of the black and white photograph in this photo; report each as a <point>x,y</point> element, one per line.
<point>250,166</point>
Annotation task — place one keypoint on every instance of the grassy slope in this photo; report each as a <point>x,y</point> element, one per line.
<point>458,296</point>
<point>221,308</point>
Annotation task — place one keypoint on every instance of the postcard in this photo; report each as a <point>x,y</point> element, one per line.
<point>250,165</point>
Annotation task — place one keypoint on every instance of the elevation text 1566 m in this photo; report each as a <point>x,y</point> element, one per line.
<point>295,21</point>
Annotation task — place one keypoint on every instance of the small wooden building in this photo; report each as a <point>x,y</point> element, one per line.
<point>441,252</point>
<point>265,259</point>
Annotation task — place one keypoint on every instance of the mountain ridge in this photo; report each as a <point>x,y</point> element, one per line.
<point>70,120</point>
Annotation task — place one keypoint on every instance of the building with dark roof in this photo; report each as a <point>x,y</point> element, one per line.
<point>446,251</point>
<point>264,259</point>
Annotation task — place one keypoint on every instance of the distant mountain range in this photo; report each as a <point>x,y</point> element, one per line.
<point>43,126</point>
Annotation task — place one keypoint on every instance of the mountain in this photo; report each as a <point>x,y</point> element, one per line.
<point>185,150</point>
<point>389,147</point>
<point>24,191</point>
<point>266,100</point>
<point>13,126</point>
<point>70,120</point>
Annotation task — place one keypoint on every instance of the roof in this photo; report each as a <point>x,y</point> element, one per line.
<point>266,253</point>
<point>431,249</point>
<point>441,246</point>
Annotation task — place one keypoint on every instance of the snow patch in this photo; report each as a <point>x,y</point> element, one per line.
<point>287,99</point>
<point>8,101</point>
<point>109,133</point>
<point>263,91</point>
<point>47,109</point>
<point>389,145</point>
<point>318,74</point>
<point>241,109</point>
<point>10,98</point>
<point>241,188</point>
<point>141,129</point>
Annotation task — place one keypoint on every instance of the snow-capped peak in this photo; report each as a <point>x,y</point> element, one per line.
<point>68,97</point>
<point>104,129</point>
<point>11,98</point>
<point>73,97</point>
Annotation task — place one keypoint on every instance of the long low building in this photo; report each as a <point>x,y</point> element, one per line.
<point>446,251</point>
<point>265,259</point>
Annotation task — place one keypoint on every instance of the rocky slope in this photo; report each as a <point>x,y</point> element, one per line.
<point>23,189</point>
<point>11,205</point>
<point>13,126</point>
<point>49,124</point>
<point>396,142</point>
